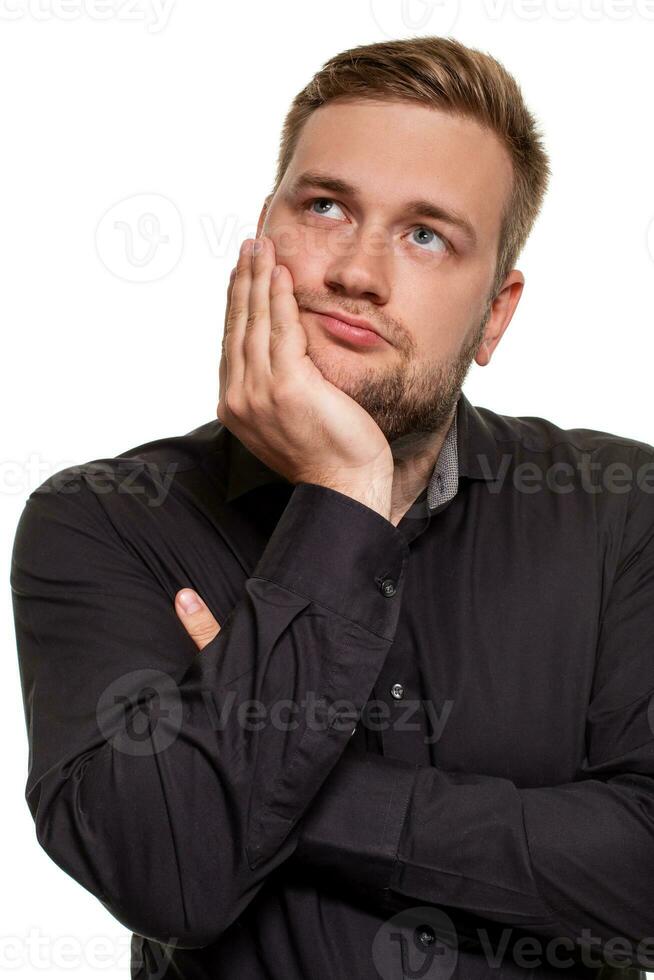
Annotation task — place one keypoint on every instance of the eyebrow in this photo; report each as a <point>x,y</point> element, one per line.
<point>416,208</point>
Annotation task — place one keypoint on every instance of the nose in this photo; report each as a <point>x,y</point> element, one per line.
<point>360,266</point>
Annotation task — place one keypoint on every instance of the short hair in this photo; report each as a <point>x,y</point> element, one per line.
<point>442,73</point>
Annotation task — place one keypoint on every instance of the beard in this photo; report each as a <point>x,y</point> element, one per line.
<point>409,401</point>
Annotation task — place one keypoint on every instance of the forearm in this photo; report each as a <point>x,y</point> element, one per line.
<point>175,827</point>
<point>571,862</point>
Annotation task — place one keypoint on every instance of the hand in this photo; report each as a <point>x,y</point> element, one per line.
<point>280,405</point>
<point>198,622</point>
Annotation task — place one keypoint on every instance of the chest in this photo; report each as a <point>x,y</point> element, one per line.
<point>491,666</point>
<point>492,663</point>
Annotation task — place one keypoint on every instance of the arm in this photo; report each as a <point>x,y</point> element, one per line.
<point>147,784</point>
<point>174,826</point>
<point>552,860</point>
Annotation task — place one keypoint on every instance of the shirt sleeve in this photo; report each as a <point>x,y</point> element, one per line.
<point>572,861</point>
<point>164,779</point>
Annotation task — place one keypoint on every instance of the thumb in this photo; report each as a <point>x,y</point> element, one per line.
<point>196,617</point>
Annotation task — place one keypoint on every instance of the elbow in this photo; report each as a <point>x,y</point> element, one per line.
<point>169,925</point>
<point>156,911</point>
<point>171,933</point>
<point>132,866</point>
<point>156,914</point>
<point>190,929</point>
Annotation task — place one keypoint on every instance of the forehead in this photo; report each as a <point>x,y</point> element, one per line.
<point>397,151</point>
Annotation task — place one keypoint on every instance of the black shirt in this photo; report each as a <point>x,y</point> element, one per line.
<point>492,812</point>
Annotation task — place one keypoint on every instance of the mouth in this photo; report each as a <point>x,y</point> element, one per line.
<point>360,333</point>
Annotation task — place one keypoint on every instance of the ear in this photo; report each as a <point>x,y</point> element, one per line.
<point>502,309</point>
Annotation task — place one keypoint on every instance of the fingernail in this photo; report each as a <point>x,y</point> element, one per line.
<point>257,246</point>
<point>246,247</point>
<point>189,601</point>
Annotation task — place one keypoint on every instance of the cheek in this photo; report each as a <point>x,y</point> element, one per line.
<point>438,321</point>
<point>308,263</point>
<point>452,301</point>
<point>296,244</point>
<point>287,241</point>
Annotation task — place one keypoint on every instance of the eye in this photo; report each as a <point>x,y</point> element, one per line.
<point>437,236</point>
<point>322,200</point>
<point>330,203</point>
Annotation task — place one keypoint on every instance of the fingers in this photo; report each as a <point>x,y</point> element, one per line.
<point>222,385</point>
<point>222,368</point>
<point>288,339</point>
<point>263,331</point>
<point>256,342</point>
<point>236,317</point>
<point>230,288</point>
<point>196,617</point>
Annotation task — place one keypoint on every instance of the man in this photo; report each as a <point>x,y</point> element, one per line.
<point>403,726</point>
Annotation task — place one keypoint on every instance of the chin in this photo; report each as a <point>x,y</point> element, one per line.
<point>338,366</point>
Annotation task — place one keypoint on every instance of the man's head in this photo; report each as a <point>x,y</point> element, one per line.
<point>380,126</point>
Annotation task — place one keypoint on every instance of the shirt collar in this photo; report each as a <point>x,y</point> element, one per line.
<point>477,455</point>
<point>444,481</point>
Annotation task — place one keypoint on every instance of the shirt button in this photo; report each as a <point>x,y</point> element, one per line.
<point>397,691</point>
<point>426,935</point>
<point>388,587</point>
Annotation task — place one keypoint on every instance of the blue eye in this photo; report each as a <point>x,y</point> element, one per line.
<point>438,237</point>
<point>322,200</point>
<point>443,247</point>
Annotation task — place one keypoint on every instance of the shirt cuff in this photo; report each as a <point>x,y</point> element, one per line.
<point>353,827</point>
<point>341,554</point>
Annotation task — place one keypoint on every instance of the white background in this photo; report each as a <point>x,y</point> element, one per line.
<point>103,348</point>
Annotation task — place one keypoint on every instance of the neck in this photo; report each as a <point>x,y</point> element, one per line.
<point>414,457</point>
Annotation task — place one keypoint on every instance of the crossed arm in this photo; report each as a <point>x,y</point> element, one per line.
<point>573,862</point>
<point>175,825</point>
<point>161,801</point>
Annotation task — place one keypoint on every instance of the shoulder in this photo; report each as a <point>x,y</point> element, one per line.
<point>136,500</point>
<point>145,469</point>
<point>611,472</point>
<point>541,435</point>
<point>615,462</point>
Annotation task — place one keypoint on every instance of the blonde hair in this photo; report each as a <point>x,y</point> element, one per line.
<point>445,74</point>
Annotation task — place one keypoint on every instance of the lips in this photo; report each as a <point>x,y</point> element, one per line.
<point>351,333</point>
<point>351,320</point>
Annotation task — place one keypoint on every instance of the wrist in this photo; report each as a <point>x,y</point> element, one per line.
<point>372,487</point>
<point>374,492</point>
<point>375,496</point>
